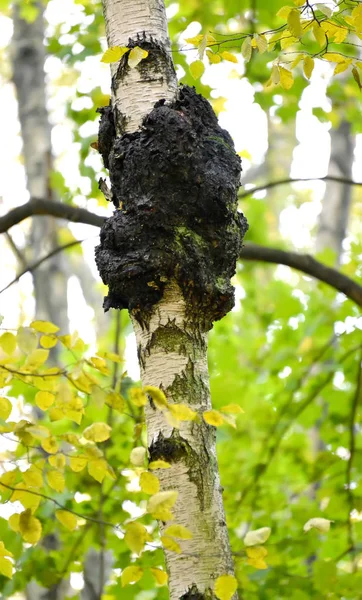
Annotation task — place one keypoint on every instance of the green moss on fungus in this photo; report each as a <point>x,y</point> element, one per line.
<point>176,180</point>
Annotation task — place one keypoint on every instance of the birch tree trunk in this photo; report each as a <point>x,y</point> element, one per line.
<point>166,164</point>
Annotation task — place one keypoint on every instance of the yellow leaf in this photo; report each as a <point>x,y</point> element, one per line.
<point>50,445</point>
<point>44,400</point>
<point>170,544</point>
<point>258,563</point>
<point>246,49</point>
<point>225,587</point>
<point>135,56</point>
<point>229,57</point>
<point>213,417</point>
<point>100,364</point>
<point>257,536</point>
<point>57,461</point>
<point>256,552</point>
<point>67,519</point>
<point>115,401</point>
<point>319,34</point>
<point>160,576</point>
<point>197,69</point>
<point>136,536</point>
<point>39,431</point>
<point>322,525</point>
<point>97,469</point>
<point>197,39</point>
<point>159,464</point>
<point>159,505</point>
<point>48,341</point>
<point>308,66</point>
<point>213,58</point>
<point>340,67</point>
<point>283,12</point>
<point>333,57</point>
<point>234,409</point>
<point>158,397</point>
<point>181,412</point>
<point>261,43</point>
<point>29,527</point>
<point>6,566</point>
<point>131,575</point>
<point>14,521</point>
<point>5,408</point>
<point>97,432</point>
<point>138,456</point>
<point>294,24</point>
<point>33,478</point>
<point>37,358</point>
<point>111,356</point>
<point>138,397</point>
<point>179,531</point>
<point>77,463</point>
<point>149,483</point>
<point>28,500</point>
<point>8,342</point>
<point>299,2</point>
<point>44,326</point>
<point>27,339</point>
<point>114,54</point>
<point>56,480</point>
<point>286,78</point>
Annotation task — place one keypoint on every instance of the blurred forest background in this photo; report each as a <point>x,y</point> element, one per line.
<point>289,353</point>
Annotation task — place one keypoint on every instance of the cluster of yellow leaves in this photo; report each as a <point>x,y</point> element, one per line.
<point>255,551</point>
<point>115,53</point>
<point>133,573</point>
<point>225,587</point>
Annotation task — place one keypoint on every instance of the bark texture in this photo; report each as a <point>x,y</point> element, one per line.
<point>167,255</point>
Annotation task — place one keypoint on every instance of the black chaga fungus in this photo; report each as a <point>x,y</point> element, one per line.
<point>106,133</point>
<point>175,181</point>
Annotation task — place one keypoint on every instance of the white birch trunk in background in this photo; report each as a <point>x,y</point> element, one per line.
<point>173,354</point>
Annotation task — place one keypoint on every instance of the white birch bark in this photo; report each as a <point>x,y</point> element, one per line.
<point>173,353</point>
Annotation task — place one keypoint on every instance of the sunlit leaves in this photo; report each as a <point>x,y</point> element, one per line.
<point>136,536</point>
<point>6,566</point>
<point>44,400</point>
<point>159,464</point>
<point>213,417</point>
<point>256,557</point>
<point>286,78</point>
<point>294,24</point>
<point>67,519</point>
<point>5,408</point>
<point>322,525</point>
<point>138,396</point>
<point>170,544</point>
<point>138,456</point>
<point>225,587</point>
<point>246,48</point>
<point>114,54</point>
<point>160,576</point>
<point>135,56</point>
<point>308,66</point>
<point>44,327</point>
<point>27,525</point>
<point>197,69</point>
<point>229,57</point>
<point>158,397</point>
<point>257,536</point>
<point>178,531</point>
<point>77,463</point>
<point>56,480</point>
<point>131,574</point>
<point>8,342</point>
<point>97,432</point>
<point>160,504</point>
<point>149,483</point>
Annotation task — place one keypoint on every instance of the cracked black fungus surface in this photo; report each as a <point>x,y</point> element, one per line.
<point>176,181</point>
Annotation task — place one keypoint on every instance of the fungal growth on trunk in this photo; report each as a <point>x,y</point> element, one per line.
<point>174,183</point>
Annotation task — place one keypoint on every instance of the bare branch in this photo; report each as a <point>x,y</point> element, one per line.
<point>302,262</point>
<point>38,206</point>
<point>271,184</point>
<point>307,264</point>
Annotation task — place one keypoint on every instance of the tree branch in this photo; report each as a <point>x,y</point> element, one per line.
<point>38,206</point>
<point>307,264</point>
<point>302,262</point>
<point>271,184</point>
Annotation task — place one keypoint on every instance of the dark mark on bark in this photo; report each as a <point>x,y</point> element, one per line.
<point>176,180</point>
